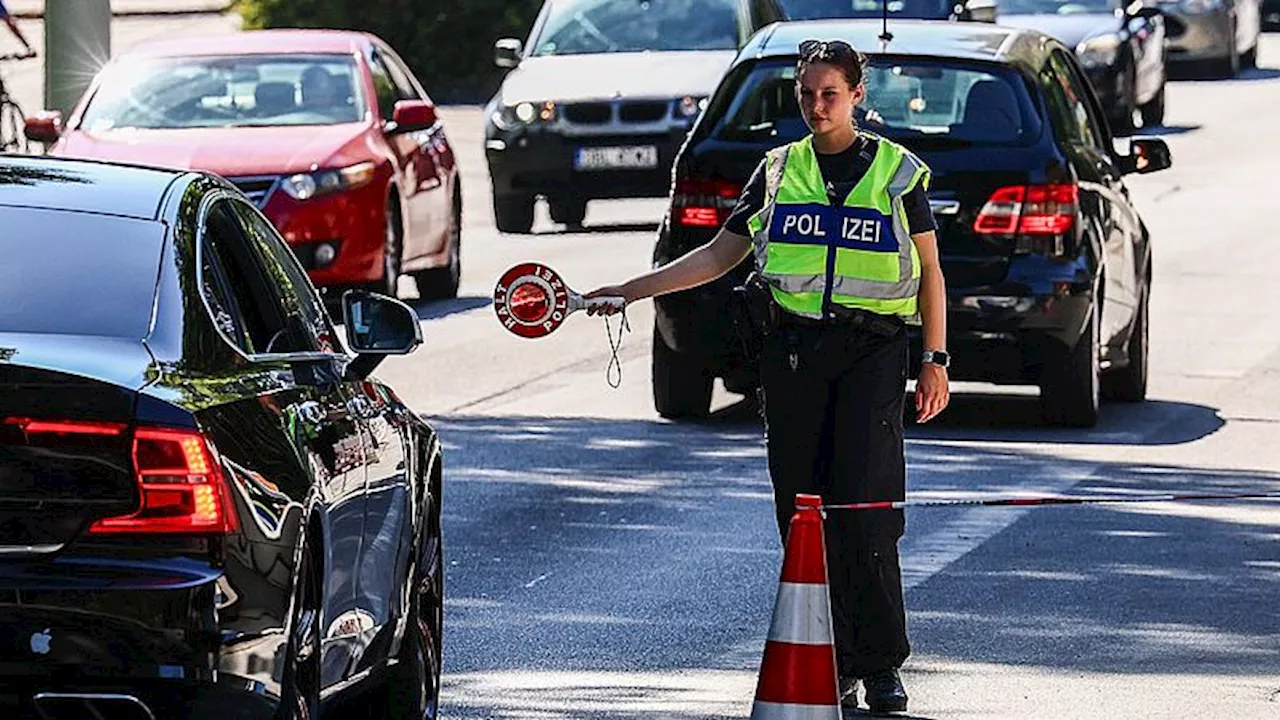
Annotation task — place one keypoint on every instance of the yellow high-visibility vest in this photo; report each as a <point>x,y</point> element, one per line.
<point>859,254</point>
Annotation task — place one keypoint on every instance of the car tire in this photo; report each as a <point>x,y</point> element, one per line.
<point>1122,121</point>
<point>392,254</point>
<point>513,213</point>
<point>1070,388</point>
<point>1129,383</point>
<point>681,383</point>
<point>412,688</point>
<point>1229,66</point>
<point>300,684</point>
<point>442,283</point>
<point>1249,60</point>
<point>1153,111</point>
<point>568,211</point>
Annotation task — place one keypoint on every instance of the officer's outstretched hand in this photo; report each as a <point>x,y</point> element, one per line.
<point>606,291</point>
<point>932,392</point>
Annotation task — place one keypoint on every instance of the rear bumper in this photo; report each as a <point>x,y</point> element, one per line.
<point>164,699</point>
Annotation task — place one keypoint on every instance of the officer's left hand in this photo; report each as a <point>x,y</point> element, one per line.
<point>932,392</point>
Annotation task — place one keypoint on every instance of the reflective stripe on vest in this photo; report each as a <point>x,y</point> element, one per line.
<point>797,235</point>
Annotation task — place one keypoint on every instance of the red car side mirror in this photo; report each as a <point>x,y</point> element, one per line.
<point>413,115</point>
<point>44,127</point>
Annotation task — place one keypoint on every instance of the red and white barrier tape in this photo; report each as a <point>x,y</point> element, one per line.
<point>1047,500</point>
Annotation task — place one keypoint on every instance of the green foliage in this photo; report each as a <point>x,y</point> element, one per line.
<point>447,43</point>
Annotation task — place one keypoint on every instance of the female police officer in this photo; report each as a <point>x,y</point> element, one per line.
<point>843,236</point>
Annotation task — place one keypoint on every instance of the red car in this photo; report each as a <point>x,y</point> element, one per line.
<point>327,131</point>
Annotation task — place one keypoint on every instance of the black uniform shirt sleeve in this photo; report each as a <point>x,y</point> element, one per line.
<point>919,215</point>
<point>749,203</point>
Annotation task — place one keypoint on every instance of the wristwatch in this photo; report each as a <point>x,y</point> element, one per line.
<point>937,357</point>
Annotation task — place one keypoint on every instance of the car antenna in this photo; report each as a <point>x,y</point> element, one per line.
<point>885,35</point>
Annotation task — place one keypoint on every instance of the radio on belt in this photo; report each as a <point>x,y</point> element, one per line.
<point>532,301</point>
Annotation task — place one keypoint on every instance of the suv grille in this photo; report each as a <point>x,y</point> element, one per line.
<point>640,111</point>
<point>588,113</point>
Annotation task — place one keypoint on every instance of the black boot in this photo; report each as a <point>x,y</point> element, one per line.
<point>885,693</point>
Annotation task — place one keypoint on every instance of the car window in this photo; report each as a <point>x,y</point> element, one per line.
<point>231,91</point>
<point>576,27</point>
<point>234,285</point>
<point>400,75</point>
<point>901,9</point>
<point>71,273</point>
<point>948,102</point>
<point>292,288</point>
<point>1067,104</point>
<point>385,87</point>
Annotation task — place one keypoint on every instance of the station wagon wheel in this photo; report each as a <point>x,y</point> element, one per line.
<point>413,687</point>
<point>513,213</point>
<point>1071,387</point>
<point>569,211</point>
<point>300,684</point>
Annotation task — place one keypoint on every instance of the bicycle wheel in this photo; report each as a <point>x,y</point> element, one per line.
<point>13,138</point>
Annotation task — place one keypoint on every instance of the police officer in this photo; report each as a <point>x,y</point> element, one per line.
<point>844,241</point>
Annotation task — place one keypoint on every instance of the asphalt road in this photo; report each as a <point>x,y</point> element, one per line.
<point>606,564</point>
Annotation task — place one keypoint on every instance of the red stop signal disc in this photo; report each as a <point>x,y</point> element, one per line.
<point>531,300</point>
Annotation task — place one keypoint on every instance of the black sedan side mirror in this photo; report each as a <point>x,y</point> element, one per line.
<point>377,326</point>
<point>1147,155</point>
<point>506,52</point>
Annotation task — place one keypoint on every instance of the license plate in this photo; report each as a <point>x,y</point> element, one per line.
<point>613,158</point>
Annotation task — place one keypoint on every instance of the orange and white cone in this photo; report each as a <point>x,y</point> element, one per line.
<point>798,672</point>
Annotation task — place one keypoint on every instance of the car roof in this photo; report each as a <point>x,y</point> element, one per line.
<point>257,42</point>
<point>49,183</point>
<point>965,40</point>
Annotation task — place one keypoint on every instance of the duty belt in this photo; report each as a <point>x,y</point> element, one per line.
<point>847,317</point>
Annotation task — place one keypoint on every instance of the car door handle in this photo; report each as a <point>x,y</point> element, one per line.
<point>312,412</point>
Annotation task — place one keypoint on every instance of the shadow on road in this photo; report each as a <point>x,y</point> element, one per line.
<point>644,555</point>
<point>435,309</point>
<point>1016,418</point>
<point>593,228</point>
<point>1166,130</point>
<point>1204,73</point>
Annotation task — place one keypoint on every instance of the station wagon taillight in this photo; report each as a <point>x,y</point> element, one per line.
<point>1029,210</point>
<point>182,487</point>
<point>703,203</point>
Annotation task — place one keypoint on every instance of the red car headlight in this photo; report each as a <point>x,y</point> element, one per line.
<point>304,186</point>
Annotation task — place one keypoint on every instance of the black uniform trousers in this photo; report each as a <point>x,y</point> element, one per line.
<point>833,403</point>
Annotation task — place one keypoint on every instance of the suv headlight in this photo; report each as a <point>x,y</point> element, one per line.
<point>508,117</point>
<point>690,106</point>
<point>304,186</point>
<point>1099,51</point>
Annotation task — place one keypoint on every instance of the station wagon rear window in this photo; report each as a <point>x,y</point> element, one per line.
<point>73,273</point>
<point>957,103</point>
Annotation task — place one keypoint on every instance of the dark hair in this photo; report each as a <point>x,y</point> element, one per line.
<point>833,52</point>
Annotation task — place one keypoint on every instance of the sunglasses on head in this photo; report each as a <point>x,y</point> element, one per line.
<point>818,50</point>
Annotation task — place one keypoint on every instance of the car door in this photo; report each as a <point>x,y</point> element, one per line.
<point>1101,184</point>
<point>323,421</point>
<point>423,183</point>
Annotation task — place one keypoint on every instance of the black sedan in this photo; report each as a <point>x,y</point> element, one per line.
<point>1120,46</point>
<point>1047,262</point>
<point>209,509</point>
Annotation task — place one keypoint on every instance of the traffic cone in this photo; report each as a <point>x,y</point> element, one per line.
<point>798,672</point>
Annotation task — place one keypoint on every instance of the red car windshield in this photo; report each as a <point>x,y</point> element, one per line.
<point>219,92</point>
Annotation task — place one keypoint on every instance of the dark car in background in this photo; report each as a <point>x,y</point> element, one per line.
<point>599,101</point>
<point>208,509</point>
<point>1221,34</point>
<point>1047,262</point>
<point>1121,47</point>
<point>975,10</point>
